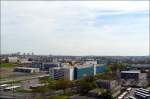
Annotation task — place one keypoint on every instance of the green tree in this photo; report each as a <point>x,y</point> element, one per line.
<point>107,95</point>
<point>116,67</point>
<point>63,84</point>
<point>48,80</point>
<point>42,90</point>
<point>86,84</point>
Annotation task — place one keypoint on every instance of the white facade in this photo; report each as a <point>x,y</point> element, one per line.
<point>13,59</point>
<point>62,73</point>
<point>69,73</point>
<point>25,61</point>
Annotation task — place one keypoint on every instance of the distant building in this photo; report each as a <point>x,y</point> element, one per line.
<point>132,74</point>
<point>45,66</point>
<point>26,70</point>
<point>140,66</point>
<point>37,65</point>
<point>91,62</point>
<point>13,59</point>
<point>25,61</point>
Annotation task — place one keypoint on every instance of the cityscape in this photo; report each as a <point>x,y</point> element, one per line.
<point>75,50</point>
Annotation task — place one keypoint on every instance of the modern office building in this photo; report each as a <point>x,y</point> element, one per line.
<point>100,68</point>
<point>56,73</point>
<point>81,71</point>
<point>45,66</point>
<point>132,74</point>
<point>77,72</point>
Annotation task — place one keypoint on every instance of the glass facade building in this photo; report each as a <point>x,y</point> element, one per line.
<point>80,72</point>
<point>44,65</point>
<point>101,69</point>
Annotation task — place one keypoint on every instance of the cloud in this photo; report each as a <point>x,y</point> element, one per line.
<point>75,27</point>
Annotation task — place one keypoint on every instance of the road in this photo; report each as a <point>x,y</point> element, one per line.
<point>131,93</point>
<point>21,78</point>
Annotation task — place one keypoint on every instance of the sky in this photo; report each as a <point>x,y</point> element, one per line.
<point>111,28</point>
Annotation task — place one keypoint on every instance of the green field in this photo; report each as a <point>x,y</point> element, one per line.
<point>7,65</point>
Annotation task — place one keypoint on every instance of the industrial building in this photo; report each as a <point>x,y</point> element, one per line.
<point>25,70</point>
<point>112,85</point>
<point>132,74</point>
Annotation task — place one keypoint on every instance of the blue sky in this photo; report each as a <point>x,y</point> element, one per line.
<point>75,27</point>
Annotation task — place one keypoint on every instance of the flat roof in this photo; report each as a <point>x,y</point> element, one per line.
<point>25,68</point>
<point>83,66</point>
<point>131,71</point>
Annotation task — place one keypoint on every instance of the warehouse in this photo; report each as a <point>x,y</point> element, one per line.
<point>132,74</point>
<point>25,70</point>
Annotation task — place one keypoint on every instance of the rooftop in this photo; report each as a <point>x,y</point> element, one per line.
<point>25,68</point>
<point>131,71</point>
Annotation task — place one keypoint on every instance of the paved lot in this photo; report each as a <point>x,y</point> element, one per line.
<point>26,84</point>
<point>131,93</point>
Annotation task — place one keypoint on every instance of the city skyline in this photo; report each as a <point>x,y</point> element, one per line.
<point>115,28</point>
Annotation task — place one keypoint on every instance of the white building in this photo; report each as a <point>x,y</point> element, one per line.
<point>69,73</point>
<point>62,73</point>
<point>13,59</point>
<point>25,61</point>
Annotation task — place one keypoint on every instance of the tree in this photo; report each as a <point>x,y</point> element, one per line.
<point>42,90</point>
<point>86,84</point>
<point>116,67</point>
<point>107,95</point>
<point>63,84</point>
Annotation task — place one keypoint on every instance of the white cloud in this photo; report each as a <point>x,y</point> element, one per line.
<point>68,27</point>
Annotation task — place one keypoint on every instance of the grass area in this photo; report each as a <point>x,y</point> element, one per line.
<point>60,97</point>
<point>23,90</point>
<point>7,65</point>
<point>13,82</point>
<point>6,76</point>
